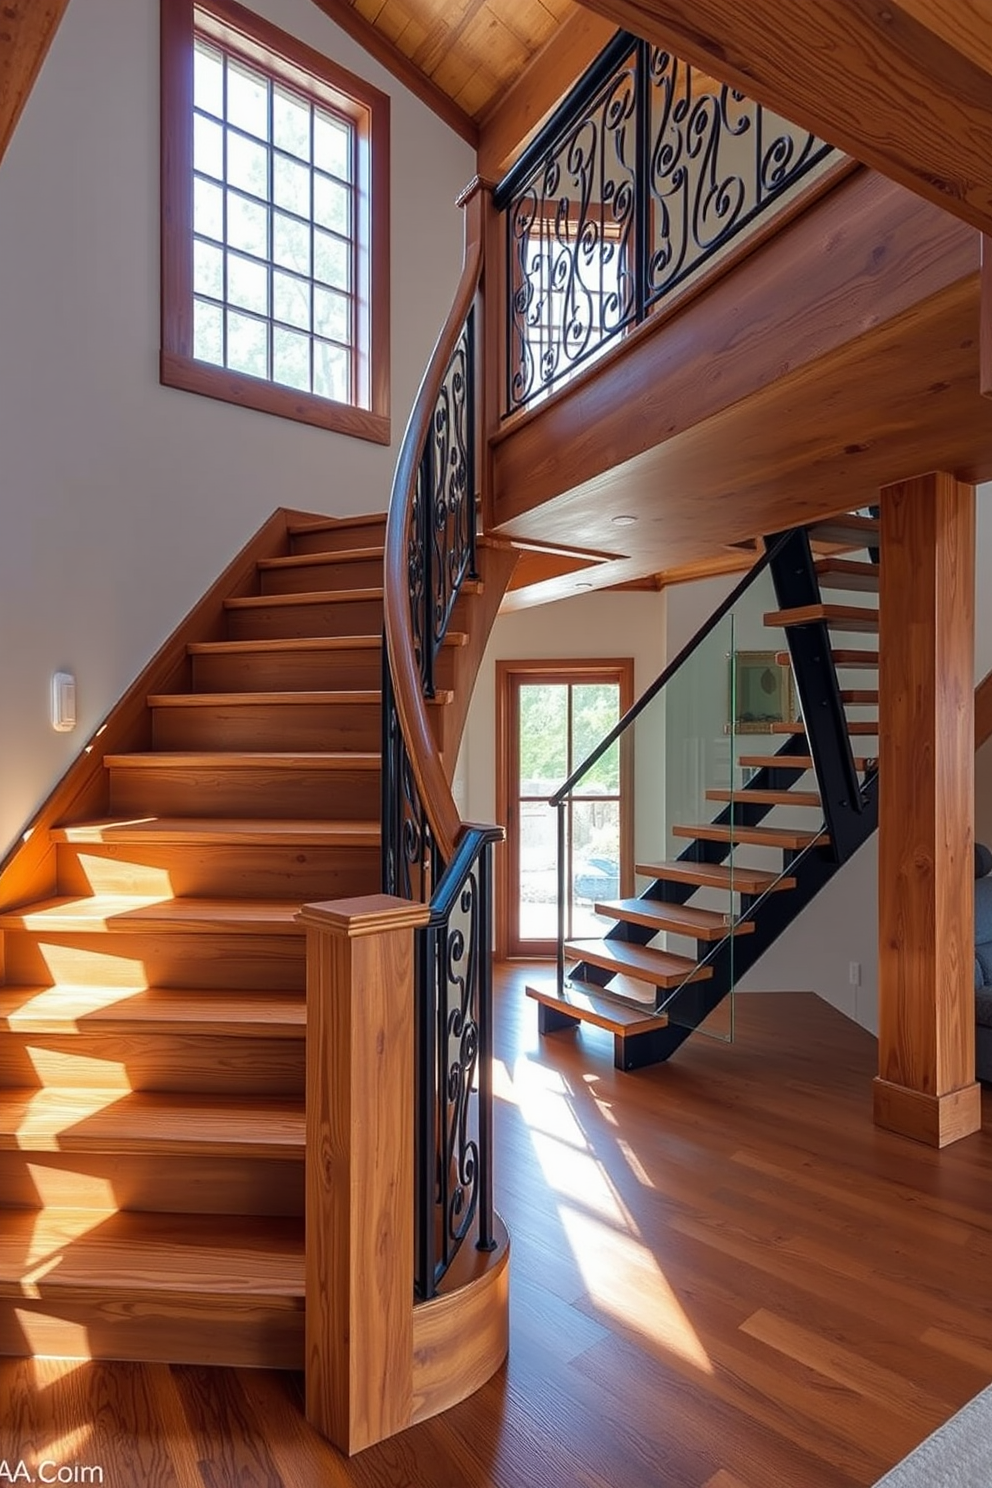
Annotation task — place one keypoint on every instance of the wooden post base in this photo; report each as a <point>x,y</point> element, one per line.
<point>937,1120</point>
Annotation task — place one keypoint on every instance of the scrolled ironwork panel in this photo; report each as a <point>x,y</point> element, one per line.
<point>458,1049</point>
<point>716,159</point>
<point>451,516</point>
<point>571,228</point>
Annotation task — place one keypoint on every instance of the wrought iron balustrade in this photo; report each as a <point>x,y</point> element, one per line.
<point>645,173</point>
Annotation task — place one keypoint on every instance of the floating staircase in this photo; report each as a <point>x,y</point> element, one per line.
<point>816,770</point>
<point>153,1008</point>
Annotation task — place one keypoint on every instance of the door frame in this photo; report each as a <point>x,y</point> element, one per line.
<point>563,669</point>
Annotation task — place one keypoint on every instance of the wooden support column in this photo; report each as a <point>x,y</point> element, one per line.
<point>926,1085</point>
<point>359,1176</point>
<point>985,319</point>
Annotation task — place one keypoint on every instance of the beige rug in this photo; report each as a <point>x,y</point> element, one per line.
<point>958,1455</point>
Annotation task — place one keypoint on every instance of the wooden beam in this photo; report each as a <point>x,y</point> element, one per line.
<point>359,1181</point>
<point>985,313</point>
<point>26,31</point>
<point>905,87</point>
<point>396,62</point>
<point>516,117</point>
<point>926,1085</point>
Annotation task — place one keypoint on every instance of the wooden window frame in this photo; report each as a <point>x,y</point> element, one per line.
<point>289,61</point>
<point>509,675</point>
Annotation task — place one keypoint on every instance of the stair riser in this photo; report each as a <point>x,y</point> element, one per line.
<point>347,618</point>
<point>164,959</point>
<point>303,671</point>
<point>313,794</point>
<point>160,1185</point>
<point>371,534</point>
<point>277,726</point>
<point>193,1064</point>
<point>219,872</point>
<point>308,578</point>
<point>102,1324</point>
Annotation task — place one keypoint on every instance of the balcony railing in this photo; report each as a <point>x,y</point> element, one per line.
<point>644,175</point>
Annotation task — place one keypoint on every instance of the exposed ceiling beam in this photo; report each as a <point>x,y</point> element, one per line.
<point>515,118</point>
<point>904,85</point>
<point>396,62</point>
<point>26,31</point>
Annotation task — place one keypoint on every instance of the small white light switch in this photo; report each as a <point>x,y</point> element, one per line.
<point>63,702</point>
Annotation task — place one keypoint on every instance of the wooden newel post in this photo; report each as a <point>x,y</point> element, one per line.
<point>359,1169</point>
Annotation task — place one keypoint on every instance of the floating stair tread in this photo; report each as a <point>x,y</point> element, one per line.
<point>749,797</point>
<point>839,617</point>
<point>47,1252</point>
<point>246,760</point>
<point>311,597</point>
<point>210,831</point>
<point>785,837</point>
<point>860,697</point>
<point>257,699</point>
<point>680,919</point>
<point>109,1121</point>
<point>316,560</point>
<point>715,876</point>
<point>120,912</point>
<point>108,1010</point>
<point>790,762</point>
<point>304,643</point>
<point>846,573</point>
<point>586,1001</point>
<point>846,531</point>
<point>867,726</point>
<point>660,968</point>
<point>840,658</point>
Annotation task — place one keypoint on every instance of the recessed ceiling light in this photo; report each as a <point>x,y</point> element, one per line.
<point>624,521</point>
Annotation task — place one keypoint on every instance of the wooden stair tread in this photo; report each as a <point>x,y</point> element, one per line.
<point>785,837</point>
<point>53,1120</point>
<point>254,699</point>
<point>715,876</point>
<point>311,525</point>
<point>203,831</point>
<point>846,573</point>
<point>660,968</point>
<point>586,1001</point>
<point>856,618</point>
<point>680,919</point>
<point>841,658</point>
<point>289,759</point>
<point>119,912</point>
<point>310,597</point>
<point>317,644</point>
<point>868,726</point>
<point>151,1010</point>
<point>52,1251</point>
<point>792,761</point>
<point>315,560</point>
<point>846,531</point>
<point>749,797</point>
<point>859,697</point>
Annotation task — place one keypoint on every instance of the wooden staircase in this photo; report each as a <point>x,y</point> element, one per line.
<point>625,967</point>
<point>153,1000</point>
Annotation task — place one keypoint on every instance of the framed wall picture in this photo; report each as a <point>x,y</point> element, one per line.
<point>760,693</point>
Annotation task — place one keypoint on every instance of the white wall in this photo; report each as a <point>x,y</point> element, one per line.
<point>590,625</point>
<point>120,500</point>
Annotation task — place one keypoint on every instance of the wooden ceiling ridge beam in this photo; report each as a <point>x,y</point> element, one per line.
<point>513,120</point>
<point>26,31</point>
<point>399,64</point>
<point>904,87</point>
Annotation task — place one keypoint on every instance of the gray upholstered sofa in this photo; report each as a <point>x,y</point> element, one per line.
<point>983,963</point>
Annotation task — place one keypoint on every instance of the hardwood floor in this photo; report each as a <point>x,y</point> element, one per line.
<point>723,1276</point>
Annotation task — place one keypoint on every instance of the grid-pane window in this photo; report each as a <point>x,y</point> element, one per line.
<point>275,222</point>
<point>273,229</point>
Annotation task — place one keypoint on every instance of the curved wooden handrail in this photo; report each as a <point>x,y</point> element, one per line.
<point>425,758</point>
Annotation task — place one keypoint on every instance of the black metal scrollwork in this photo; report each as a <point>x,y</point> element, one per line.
<point>641,180</point>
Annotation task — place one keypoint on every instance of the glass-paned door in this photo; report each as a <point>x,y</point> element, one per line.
<point>552,716</point>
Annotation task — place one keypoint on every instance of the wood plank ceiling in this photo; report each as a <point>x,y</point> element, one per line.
<point>472,50</point>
